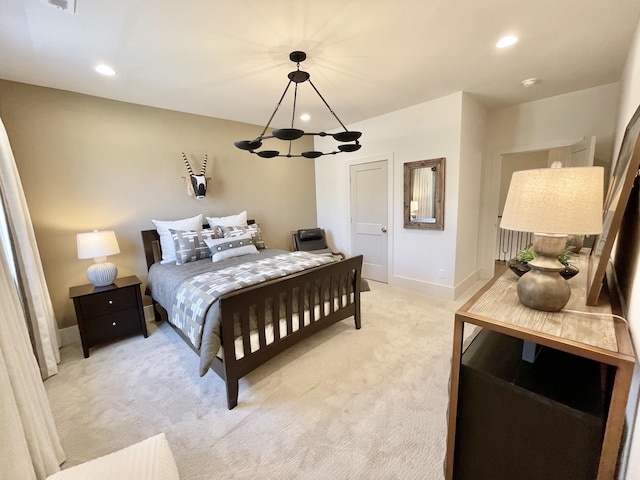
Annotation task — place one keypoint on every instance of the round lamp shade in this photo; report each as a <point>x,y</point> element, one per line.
<point>555,200</point>
<point>97,244</point>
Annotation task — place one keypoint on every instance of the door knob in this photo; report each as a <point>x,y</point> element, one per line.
<point>384,229</point>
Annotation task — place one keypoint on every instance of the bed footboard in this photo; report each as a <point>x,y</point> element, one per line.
<point>305,303</point>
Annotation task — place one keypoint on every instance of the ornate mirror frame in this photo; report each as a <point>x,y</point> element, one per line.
<point>424,194</point>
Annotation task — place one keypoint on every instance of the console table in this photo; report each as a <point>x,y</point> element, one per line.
<point>601,340</point>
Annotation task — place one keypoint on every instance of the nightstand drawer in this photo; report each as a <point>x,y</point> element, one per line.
<point>109,302</point>
<point>112,326</point>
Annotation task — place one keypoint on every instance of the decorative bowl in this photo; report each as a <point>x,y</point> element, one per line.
<point>517,267</point>
<point>570,270</point>
<point>520,268</point>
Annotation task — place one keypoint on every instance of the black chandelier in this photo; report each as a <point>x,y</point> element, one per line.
<point>290,134</point>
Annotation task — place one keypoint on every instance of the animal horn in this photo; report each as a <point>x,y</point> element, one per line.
<point>186,162</point>
<point>204,165</point>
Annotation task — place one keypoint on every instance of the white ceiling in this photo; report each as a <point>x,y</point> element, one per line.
<point>229,58</point>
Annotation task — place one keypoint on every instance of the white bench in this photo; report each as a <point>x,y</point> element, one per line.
<point>150,459</point>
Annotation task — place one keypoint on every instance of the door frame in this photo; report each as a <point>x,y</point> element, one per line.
<point>390,196</point>
<point>491,198</point>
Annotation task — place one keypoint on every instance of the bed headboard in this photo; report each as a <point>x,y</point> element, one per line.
<point>151,243</point>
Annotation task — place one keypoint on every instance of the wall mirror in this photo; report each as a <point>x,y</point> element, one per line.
<point>424,194</point>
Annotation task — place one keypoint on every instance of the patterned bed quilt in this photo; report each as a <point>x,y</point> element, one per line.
<point>189,292</point>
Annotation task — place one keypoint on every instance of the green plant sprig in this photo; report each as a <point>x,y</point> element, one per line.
<point>526,255</point>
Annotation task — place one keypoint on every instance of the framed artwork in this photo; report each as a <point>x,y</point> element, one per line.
<point>615,203</point>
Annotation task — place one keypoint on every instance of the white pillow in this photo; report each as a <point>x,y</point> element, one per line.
<point>228,221</point>
<point>223,248</point>
<point>166,239</point>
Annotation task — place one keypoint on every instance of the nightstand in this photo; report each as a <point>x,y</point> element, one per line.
<point>108,313</point>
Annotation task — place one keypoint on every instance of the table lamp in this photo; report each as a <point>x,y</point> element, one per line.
<point>98,245</point>
<point>552,203</point>
<point>413,208</point>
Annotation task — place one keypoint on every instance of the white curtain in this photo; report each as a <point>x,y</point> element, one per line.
<point>31,447</point>
<point>30,279</point>
<point>423,191</point>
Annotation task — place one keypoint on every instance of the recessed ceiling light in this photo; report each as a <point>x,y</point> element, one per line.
<point>506,41</point>
<point>305,117</point>
<point>105,70</point>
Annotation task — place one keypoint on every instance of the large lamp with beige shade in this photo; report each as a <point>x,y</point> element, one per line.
<point>552,203</point>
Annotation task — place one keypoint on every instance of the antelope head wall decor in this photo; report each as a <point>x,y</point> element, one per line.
<point>196,184</point>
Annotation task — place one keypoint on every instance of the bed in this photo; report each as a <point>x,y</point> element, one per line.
<point>233,330</point>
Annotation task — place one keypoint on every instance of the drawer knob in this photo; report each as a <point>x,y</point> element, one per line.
<point>114,324</point>
<point>110,302</point>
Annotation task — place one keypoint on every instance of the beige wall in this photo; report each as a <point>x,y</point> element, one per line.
<point>514,162</point>
<point>90,163</point>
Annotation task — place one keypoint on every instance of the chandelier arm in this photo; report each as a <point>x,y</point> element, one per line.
<point>266,127</point>
<point>295,99</point>
<point>325,102</point>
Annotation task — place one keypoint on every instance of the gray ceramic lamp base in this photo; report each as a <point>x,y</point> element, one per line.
<point>102,274</point>
<point>542,288</point>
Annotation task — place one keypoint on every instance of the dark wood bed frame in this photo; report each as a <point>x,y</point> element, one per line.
<point>336,279</point>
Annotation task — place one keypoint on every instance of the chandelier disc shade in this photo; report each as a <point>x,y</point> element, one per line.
<point>348,139</point>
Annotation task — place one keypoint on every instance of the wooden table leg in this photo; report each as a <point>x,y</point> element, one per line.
<point>615,422</point>
<point>454,380</point>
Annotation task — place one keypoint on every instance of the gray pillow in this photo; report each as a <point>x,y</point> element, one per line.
<point>166,242</point>
<point>241,230</point>
<point>190,245</point>
<point>223,248</point>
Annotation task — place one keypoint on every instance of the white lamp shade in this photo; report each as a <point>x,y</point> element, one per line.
<point>555,200</point>
<point>97,244</point>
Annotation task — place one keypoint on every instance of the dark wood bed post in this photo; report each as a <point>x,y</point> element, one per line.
<point>227,369</point>
<point>232,393</point>
<point>357,284</point>
<point>151,243</point>
<point>157,316</point>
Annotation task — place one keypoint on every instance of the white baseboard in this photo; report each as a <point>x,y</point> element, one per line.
<point>148,313</point>
<point>437,290</point>
<point>466,283</point>
<point>69,335</point>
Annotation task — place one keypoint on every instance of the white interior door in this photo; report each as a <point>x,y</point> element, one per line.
<point>369,214</point>
<point>581,154</point>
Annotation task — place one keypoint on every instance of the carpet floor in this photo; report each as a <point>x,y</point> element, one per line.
<point>344,404</point>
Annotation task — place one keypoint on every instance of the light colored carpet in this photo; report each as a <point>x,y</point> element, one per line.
<point>345,404</point>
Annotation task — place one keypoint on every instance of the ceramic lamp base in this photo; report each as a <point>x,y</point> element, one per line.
<point>542,288</point>
<point>546,291</point>
<point>102,274</point>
